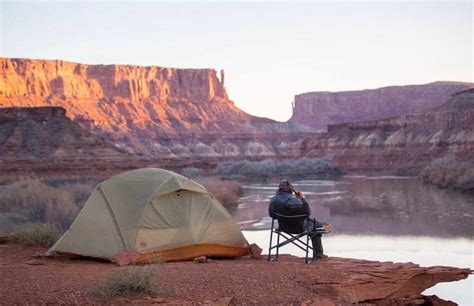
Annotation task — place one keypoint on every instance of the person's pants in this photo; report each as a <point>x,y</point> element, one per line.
<point>316,238</point>
<point>317,244</point>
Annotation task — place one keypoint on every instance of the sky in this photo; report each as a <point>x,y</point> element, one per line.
<point>270,51</point>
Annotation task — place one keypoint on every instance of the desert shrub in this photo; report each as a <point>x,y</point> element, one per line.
<point>320,167</point>
<point>38,234</point>
<point>227,192</point>
<point>80,192</point>
<point>133,279</point>
<point>36,202</point>
<point>190,172</point>
<point>447,172</point>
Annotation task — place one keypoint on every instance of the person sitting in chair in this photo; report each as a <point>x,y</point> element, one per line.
<point>284,202</point>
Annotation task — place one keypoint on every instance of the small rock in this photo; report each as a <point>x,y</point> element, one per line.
<point>255,251</point>
<point>38,255</point>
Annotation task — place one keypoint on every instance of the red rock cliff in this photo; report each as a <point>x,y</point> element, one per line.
<point>161,112</point>
<point>39,79</point>
<point>401,144</point>
<point>320,109</point>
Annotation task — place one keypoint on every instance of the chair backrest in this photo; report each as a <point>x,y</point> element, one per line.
<point>293,224</point>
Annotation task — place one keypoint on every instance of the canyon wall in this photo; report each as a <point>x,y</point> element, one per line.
<point>46,79</point>
<point>44,132</point>
<point>402,145</point>
<point>151,111</point>
<point>167,117</point>
<point>42,142</point>
<point>320,109</point>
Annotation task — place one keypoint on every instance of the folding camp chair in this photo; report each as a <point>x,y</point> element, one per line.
<point>292,229</point>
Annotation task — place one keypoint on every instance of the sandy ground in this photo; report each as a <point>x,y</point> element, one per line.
<point>25,279</point>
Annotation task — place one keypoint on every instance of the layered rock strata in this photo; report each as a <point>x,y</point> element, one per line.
<point>153,111</point>
<point>403,144</point>
<point>320,109</point>
<point>43,142</point>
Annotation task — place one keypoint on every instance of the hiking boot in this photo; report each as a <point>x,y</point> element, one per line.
<point>319,256</point>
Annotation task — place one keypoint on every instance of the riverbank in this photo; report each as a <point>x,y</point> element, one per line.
<point>224,282</point>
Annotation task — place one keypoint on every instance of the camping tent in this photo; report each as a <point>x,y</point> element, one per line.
<point>152,213</point>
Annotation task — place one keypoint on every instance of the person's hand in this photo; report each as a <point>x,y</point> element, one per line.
<point>299,195</point>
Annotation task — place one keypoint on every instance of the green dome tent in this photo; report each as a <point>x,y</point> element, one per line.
<point>152,213</point>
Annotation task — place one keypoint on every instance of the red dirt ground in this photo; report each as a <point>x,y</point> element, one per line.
<point>219,281</point>
<point>25,279</point>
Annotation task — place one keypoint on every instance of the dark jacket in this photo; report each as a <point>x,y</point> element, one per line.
<point>285,203</point>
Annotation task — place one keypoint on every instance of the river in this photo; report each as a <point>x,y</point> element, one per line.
<point>387,218</point>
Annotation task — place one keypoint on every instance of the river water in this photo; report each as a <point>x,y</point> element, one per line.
<point>396,219</point>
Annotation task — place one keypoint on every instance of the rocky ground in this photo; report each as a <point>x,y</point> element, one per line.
<point>26,279</point>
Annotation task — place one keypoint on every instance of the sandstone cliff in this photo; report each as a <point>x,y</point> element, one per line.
<point>160,112</point>
<point>46,132</point>
<point>320,109</point>
<point>42,142</point>
<point>403,145</point>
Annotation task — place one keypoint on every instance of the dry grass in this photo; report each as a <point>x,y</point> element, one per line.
<point>32,201</point>
<point>133,279</point>
<point>38,234</point>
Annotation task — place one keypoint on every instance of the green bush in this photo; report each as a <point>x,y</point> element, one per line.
<point>133,279</point>
<point>38,234</point>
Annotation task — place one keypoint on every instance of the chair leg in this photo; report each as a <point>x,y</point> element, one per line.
<point>270,247</point>
<point>278,243</point>
<point>307,244</point>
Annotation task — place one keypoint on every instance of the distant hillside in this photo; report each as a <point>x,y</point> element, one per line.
<point>154,111</point>
<point>320,109</point>
<point>401,145</point>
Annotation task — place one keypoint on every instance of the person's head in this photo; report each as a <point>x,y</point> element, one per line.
<point>285,186</point>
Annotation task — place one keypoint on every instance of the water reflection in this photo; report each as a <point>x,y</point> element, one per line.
<point>371,206</point>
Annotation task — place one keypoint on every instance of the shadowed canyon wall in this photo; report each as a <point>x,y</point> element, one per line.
<point>42,142</point>
<point>403,145</point>
<point>320,109</point>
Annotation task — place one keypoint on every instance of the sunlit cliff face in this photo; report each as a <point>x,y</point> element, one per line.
<point>111,96</point>
<point>144,109</point>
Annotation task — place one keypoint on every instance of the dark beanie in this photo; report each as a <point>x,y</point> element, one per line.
<point>285,186</point>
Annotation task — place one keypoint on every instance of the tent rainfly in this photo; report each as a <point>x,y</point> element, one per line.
<point>154,214</point>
